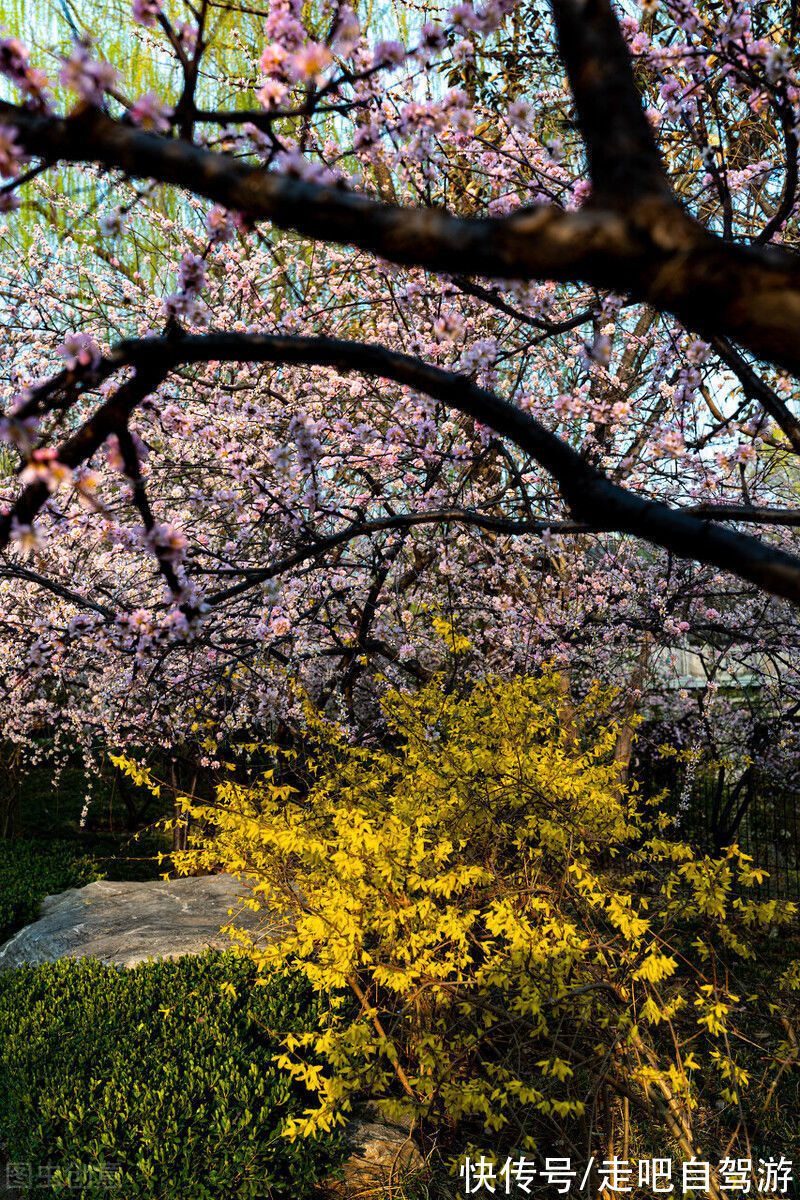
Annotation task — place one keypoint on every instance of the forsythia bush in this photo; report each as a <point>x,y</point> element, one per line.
<point>521,937</point>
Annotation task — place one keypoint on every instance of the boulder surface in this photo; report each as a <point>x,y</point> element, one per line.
<point>129,923</point>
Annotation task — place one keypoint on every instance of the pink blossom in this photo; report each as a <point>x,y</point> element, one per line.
<point>292,162</point>
<point>146,12</point>
<point>26,537</point>
<point>186,306</point>
<point>348,32</point>
<point>90,79</point>
<point>140,620</point>
<point>520,114</point>
<point>15,65</point>
<point>272,94</point>
<point>777,63</point>
<point>389,54</point>
<point>281,457</point>
<point>311,62</point>
<point>219,225</point>
<point>433,36</point>
<point>187,34</point>
<point>308,445</point>
<point>582,190</point>
<point>273,59</point>
<point>79,349</point>
<point>449,327</point>
<point>490,18</point>
<point>113,223</point>
<point>9,202</point>
<point>670,93</point>
<point>19,433</point>
<point>168,541</point>
<point>45,468</point>
<point>14,59</point>
<point>463,16</point>
<point>672,444</point>
<point>151,113</point>
<point>191,274</point>
<point>114,453</point>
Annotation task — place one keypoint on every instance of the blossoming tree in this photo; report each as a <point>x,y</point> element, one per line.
<point>344,328</point>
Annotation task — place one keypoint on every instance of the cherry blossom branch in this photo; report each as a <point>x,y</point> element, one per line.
<point>789,195</point>
<point>589,494</point>
<point>264,119</point>
<point>133,471</point>
<point>17,571</point>
<point>110,417</point>
<point>24,177</point>
<point>551,328</point>
<point>322,546</point>
<point>756,389</point>
<point>62,390</point>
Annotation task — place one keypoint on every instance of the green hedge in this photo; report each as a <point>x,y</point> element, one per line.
<point>162,1074</point>
<point>31,870</point>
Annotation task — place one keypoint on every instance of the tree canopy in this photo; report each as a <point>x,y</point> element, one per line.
<point>333,322</point>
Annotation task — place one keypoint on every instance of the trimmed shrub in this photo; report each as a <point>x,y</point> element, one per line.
<point>31,870</point>
<point>161,1077</point>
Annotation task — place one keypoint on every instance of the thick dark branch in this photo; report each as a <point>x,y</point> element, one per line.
<point>109,418</point>
<point>748,515</point>
<point>624,162</point>
<point>17,571</point>
<point>653,252</point>
<point>590,495</point>
<point>63,390</point>
<point>547,238</point>
<point>25,177</point>
<point>264,119</point>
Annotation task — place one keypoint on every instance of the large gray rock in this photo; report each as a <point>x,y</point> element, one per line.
<point>128,923</point>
